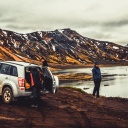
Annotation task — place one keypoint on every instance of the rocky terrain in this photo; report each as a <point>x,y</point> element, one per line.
<point>59,46</point>
<point>69,108</point>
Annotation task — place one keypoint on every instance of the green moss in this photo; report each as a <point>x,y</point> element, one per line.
<point>76,89</point>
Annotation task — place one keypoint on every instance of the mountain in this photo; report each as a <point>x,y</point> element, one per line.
<point>59,46</point>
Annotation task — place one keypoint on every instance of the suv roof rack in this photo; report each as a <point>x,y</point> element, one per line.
<point>14,63</point>
<point>21,63</point>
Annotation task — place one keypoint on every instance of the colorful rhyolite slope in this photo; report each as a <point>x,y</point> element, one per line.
<point>59,46</point>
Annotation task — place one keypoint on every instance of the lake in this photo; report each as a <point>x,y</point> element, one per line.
<point>115,84</point>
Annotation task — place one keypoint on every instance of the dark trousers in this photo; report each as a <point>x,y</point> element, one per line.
<point>36,95</point>
<point>96,88</point>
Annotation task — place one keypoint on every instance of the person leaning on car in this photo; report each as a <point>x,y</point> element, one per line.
<point>44,62</point>
<point>97,79</point>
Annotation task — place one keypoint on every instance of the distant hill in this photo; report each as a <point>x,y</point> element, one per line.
<point>59,46</point>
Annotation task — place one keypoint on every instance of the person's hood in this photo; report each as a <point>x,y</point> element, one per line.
<point>96,63</point>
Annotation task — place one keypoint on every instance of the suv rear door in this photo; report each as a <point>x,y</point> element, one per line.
<point>47,79</point>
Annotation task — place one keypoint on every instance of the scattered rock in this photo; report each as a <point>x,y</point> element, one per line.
<point>106,84</point>
<point>85,88</point>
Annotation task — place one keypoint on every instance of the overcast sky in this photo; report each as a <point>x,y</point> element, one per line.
<point>99,19</point>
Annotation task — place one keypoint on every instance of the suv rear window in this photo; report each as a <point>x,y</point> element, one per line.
<point>46,73</point>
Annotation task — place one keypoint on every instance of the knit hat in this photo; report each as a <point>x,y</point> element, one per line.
<point>96,63</point>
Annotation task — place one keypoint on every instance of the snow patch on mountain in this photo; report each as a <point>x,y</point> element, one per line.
<point>115,47</point>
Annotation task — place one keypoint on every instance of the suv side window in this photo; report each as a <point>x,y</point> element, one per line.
<point>4,68</point>
<point>14,71</point>
<point>9,70</point>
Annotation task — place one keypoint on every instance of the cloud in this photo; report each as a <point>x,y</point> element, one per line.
<point>104,20</point>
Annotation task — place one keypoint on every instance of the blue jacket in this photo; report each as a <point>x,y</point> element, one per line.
<point>96,73</point>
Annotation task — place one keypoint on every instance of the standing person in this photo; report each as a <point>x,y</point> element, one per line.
<point>44,62</point>
<point>36,84</point>
<point>97,79</point>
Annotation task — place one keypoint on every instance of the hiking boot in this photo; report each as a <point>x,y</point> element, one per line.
<point>34,106</point>
<point>93,96</point>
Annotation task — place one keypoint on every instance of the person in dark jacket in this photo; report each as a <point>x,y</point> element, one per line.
<point>97,79</point>
<point>44,62</point>
<point>36,84</point>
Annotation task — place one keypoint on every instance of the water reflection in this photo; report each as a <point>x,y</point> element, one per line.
<point>115,84</point>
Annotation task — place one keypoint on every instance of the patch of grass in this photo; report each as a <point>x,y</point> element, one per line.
<point>75,89</point>
<point>76,76</point>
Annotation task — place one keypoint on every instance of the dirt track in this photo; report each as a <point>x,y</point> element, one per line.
<point>68,108</point>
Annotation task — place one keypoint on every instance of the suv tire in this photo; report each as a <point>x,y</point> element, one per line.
<point>7,95</point>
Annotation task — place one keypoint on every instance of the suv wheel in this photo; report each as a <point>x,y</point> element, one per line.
<point>7,95</point>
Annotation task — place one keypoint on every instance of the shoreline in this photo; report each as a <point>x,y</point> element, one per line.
<point>88,65</point>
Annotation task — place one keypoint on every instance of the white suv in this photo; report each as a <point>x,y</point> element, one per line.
<point>14,76</point>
